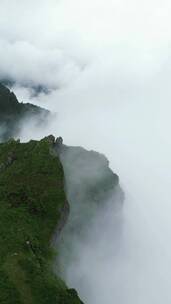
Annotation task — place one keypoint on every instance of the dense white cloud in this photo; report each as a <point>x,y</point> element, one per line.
<point>108,63</point>
<point>42,40</point>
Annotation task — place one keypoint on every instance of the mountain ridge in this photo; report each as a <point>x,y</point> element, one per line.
<point>39,202</point>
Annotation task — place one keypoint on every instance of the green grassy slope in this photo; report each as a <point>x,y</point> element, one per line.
<point>32,207</point>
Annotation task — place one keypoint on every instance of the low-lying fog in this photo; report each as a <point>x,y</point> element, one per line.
<point>135,139</point>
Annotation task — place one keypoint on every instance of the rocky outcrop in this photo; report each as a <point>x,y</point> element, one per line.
<point>88,177</point>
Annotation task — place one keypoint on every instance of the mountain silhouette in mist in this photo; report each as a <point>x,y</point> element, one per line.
<point>12,113</point>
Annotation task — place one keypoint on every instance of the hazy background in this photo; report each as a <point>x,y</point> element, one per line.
<point>106,65</point>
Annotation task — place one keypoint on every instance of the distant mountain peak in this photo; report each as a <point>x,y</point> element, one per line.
<point>12,112</point>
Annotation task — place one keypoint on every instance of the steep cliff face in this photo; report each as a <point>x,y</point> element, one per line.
<point>12,113</point>
<point>89,181</point>
<point>32,206</point>
<point>90,186</point>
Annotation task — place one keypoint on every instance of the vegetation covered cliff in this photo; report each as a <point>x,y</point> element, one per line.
<point>32,206</point>
<point>47,190</point>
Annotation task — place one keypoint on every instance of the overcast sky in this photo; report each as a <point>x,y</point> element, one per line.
<point>107,65</point>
